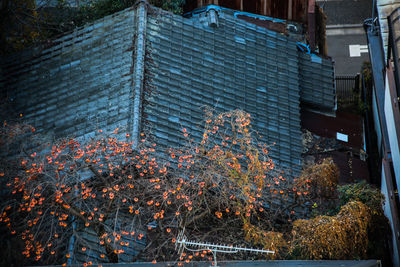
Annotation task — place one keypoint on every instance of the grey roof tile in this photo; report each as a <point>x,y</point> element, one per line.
<point>84,80</point>
<point>226,67</point>
<point>70,81</point>
<point>317,85</point>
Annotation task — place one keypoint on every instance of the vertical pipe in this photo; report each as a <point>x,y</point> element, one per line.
<point>290,10</point>
<point>264,7</point>
<point>311,24</point>
<point>138,70</point>
<point>373,10</point>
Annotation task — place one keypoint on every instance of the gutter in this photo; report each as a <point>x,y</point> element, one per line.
<point>138,69</point>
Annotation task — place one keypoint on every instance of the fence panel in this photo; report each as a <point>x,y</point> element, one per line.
<point>346,88</point>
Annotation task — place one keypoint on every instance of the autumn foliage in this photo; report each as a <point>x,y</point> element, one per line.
<point>223,188</point>
<point>339,237</point>
<point>322,178</point>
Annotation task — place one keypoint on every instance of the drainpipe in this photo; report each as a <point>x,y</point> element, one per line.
<point>290,10</point>
<point>373,9</point>
<point>138,69</point>
<point>311,24</point>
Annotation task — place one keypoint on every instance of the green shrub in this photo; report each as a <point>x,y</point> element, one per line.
<point>361,191</point>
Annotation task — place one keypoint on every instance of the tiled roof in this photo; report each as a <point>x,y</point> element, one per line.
<point>317,86</point>
<point>235,65</point>
<point>86,237</point>
<point>89,79</point>
<point>86,79</point>
<point>80,83</point>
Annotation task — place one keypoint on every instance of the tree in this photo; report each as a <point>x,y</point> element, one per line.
<point>20,25</point>
<point>25,23</point>
<point>225,187</point>
<point>71,197</point>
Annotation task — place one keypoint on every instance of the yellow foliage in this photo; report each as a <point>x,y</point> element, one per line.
<point>339,237</point>
<point>234,153</point>
<point>321,178</point>
<point>268,239</point>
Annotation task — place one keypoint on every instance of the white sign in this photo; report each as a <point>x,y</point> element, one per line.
<point>342,137</point>
<point>356,50</point>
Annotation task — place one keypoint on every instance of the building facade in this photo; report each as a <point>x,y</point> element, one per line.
<point>384,47</point>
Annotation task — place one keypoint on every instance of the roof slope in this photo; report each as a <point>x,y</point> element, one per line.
<point>234,65</point>
<point>86,79</point>
<point>80,83</point>
<point>317,82</point>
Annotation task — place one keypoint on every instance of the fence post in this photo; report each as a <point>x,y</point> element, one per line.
<point>357,83</point>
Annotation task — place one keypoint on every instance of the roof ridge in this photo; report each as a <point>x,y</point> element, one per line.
<point>138,70</point>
